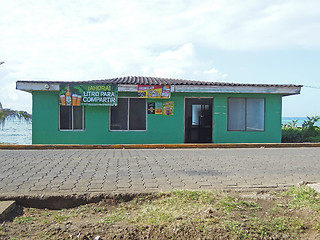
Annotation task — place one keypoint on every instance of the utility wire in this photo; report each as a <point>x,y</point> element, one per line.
<point>311,87</point>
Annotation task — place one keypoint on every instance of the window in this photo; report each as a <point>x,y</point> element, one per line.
<point>129,114</point>
<point>198,113</point>
<point>71,118</point>
<point>246,114</point>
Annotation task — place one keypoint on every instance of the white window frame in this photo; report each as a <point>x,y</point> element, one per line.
<point>83,120</point>
<point>128,117</point>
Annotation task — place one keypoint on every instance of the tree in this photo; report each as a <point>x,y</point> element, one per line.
<point>6,113</point>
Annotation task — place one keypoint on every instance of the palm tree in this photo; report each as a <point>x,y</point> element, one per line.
<point>6,113</point>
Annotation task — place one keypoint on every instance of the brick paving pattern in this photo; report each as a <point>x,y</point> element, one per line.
<point>33,172</point>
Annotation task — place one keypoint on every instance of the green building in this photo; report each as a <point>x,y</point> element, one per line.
<point>146,110</point>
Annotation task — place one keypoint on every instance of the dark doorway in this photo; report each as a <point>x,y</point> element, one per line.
<point>198,120</point>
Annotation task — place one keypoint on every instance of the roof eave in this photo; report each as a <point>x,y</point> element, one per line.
<point>289,90</point>
<point>30,86</point>
<point>37,86</point>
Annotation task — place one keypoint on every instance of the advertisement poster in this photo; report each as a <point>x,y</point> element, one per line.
<point>154,91</point>
<point>158,106</point>
<point>151,108</point>
<point>88,94</point>
<point>168,108</point>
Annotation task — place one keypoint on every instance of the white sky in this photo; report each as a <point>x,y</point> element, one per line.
<point>248,41</point>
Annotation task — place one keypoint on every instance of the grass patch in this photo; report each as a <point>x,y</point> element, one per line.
<point>180,215</point>
<point>25,220</point>
<point>47,214</point>
<point>114,217</point>
<point>256,228</point>
<point>59,218</point>
<point>230,204</point>
<point>2,232</point>
<point>304,197</point>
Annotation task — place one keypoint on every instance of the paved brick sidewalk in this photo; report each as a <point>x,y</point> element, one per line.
<point>34,172</point>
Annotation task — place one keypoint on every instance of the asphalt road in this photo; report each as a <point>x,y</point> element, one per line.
<point>36,172</point>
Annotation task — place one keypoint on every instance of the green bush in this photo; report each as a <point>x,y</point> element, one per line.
<point>291,133</point>
<point>315,139</point>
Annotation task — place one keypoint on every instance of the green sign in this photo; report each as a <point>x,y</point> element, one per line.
<point>88,94</point>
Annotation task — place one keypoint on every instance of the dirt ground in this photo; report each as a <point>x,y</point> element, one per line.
<point>175,215</point>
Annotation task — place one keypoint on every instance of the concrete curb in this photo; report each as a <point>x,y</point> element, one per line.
<point>69,200</point>
<point>158,146</point>
<point>6,207</point>
<point>315,186</point>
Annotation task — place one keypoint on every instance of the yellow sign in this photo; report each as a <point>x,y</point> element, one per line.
<point>154,91</point>
<point>168,108</point>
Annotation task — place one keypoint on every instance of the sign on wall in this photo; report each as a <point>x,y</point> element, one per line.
<point>151,108</point>
<point>154,91</point>
<point>158,106</point>
<point>88,94</point>
<point>168,108</point>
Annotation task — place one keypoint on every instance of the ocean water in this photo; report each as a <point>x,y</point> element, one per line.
<point>299,119</point>
<point>20,132</point>
<point>16,132</point>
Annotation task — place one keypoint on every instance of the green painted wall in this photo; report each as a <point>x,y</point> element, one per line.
<point>160,129</point>
<point>272,133</point>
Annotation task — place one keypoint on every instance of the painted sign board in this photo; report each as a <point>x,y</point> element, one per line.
<point>154,91</point>
<point>88,94</point>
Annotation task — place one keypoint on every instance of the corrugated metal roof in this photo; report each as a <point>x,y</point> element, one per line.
<point>133,80</point>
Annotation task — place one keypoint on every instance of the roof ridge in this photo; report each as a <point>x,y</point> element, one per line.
<point>148,80</point>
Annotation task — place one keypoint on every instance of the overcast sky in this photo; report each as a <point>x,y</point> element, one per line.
<point>247,41</point>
